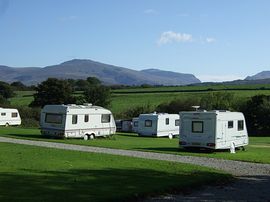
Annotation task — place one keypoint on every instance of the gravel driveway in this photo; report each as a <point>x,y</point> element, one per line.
<point>253,182</point>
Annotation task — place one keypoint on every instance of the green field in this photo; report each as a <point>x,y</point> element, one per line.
<point>125,99</point>
<point>257,151</point>
<point>29,173</point>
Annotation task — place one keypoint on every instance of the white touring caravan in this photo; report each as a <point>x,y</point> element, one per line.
<point>76,121</point>
<point>158,124</point>
<point>217,129</point>
<point>135,124</point>
<point>9,117</point>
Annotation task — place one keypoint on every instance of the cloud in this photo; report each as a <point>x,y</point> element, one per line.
<point>218,78</point>
<point>210,40</point>
<point>170,37</point>
<point>150,11</point>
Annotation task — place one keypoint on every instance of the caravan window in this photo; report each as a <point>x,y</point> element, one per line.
<point>135,124</point>
<point>105,118</point>
<point>74,119</point>
<point>148,123</point>
<point>230,124</point>
<point>86,118</point>
<point>177,122</point>
<point>197,126</point>
<point>3,114</point>
<point>241,125</point>
<point>167,121</point>
<point>14,114</point>
<point>53,118</point>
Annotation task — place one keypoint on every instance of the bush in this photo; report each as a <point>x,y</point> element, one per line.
<point>134,112</point>
<point>218,101</point>
<point>175,106</point>
<point>30,116</point>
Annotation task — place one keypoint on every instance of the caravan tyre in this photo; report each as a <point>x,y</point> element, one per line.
<point>86,137</point>
<point>92,136</point>
<point>6,125</point>
<point>170,136</point>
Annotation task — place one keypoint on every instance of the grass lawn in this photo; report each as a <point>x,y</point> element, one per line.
<point>22,98</point>
<point>29,173</point>
<point>257,151</point>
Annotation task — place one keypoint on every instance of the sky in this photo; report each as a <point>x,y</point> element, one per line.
<point>214,40</point>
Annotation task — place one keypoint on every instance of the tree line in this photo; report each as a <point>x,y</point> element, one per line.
<point>56,91</point>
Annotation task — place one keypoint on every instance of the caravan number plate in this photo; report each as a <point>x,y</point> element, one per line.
<point>196,143</point>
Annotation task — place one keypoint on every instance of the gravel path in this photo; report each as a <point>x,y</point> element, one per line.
<point>253,182</point>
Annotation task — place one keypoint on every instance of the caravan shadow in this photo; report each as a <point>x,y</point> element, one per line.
<point>182,150</point>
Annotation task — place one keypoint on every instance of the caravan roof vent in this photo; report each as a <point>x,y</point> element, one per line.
<point>221,110</point>
<point>87,104</point>
<point>196,107</point>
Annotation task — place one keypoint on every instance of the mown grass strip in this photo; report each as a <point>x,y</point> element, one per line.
<point>29,173</point>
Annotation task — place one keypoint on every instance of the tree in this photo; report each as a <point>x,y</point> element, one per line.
<point>98,95</point>
<point>219,100</point>
<point>93,81</point>
<point>53,91</point>
<point>257,113</point>
<point>17,85</point>
<point>5,90</point>
<point>3,101</point>
<point>81,84</point>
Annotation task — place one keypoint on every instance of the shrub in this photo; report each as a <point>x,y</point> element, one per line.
<point>218,100</point>
<point>175,106</point>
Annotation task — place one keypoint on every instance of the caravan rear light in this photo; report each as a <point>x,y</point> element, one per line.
<point>210,144</point>
<point>182,143</point>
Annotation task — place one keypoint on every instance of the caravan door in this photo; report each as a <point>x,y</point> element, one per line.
<point>221,133</point>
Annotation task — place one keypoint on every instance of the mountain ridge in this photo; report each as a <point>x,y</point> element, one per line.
<point>83,68</point>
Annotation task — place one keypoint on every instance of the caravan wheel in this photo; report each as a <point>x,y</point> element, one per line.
<point>170,136</point>
<point>6,125</point>
<point>86,137</point>
<point>92,136</point>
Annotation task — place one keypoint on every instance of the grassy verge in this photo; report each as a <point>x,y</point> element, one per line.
<point>29,173</point>
<point>257,151</point>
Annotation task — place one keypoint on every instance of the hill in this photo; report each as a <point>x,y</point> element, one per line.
<point>108,74</point>
<point>259,76</point>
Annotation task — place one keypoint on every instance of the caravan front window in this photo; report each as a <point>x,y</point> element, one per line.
<point>135,124</point>
<point>241,125</point>
<point>105,118</point>
<point>197,126</point>
<point>53,118</point>
<point>148,123</point>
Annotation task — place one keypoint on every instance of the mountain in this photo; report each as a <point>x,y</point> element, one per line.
<point>108,74</point>
<point>261,75</point>
<point>180,78</point>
